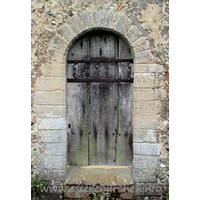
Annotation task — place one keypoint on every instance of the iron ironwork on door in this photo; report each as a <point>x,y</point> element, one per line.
<point>99,101</point>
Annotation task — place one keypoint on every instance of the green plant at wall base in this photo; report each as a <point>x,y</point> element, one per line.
<point>36,183</point>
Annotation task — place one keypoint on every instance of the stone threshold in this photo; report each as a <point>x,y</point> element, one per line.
<point>100,174</point>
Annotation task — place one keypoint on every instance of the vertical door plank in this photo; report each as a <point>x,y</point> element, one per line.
<point>78,107</point>
<point>112,123</point>
<point>124,139</point>
<point>97,154</point>
<point>111,51</point>
<point>103,102</point>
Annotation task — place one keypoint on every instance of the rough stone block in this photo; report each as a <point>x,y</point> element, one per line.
<point>53,162</point>
<point>144,80</point>
<point>146,122</point>
<point>57,149</point>
<point>111,18</point>
<point>144,175</point>
<point>56,56</point>
<point>44,70</point>
<point>145,162</point>
<point>143,57</point>
<point>66,32</point>
<point>50,97</point>
<point>123,24</point>
<point>51,83</point>
<point>140,45</point>
<point>143,94</point>
<point>148,189</point>
<point>98,18</point>
<point>54,136</point>
<point>57,70</point>
<point>51,124</point>
<point>59,43</point>
<point>144,136</point>
<point>86,20</point>
<point>50,111</point>
<point>147,68</point>
<point>133,34</point>
<point>52,175</point>
<point>146,149</point>
<point>147,108</point>
<point>74,22</point>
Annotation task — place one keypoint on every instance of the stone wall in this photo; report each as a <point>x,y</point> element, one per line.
<point>144,24</point>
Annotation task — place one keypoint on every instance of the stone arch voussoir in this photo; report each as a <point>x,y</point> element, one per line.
<point>87,21</point>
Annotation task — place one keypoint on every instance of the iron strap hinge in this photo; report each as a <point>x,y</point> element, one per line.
<point>98,79</point>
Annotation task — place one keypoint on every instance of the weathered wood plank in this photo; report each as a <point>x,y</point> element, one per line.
<point>78,107</point>
<point>125,53</point>
<point>78,124</point>
<point>96,152</point>
<point>80,50</point>
<point>112,121</point>
<point>124,152</point>
<point>103,97</point>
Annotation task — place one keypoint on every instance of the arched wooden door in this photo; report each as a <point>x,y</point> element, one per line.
<point>99,101</point>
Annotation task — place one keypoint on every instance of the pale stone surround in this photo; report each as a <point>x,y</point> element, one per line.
<point>50,96</point>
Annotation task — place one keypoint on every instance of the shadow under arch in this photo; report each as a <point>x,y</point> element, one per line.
<point>90,31</point>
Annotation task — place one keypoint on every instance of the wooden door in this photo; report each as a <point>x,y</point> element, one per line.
<point>99,110</point>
